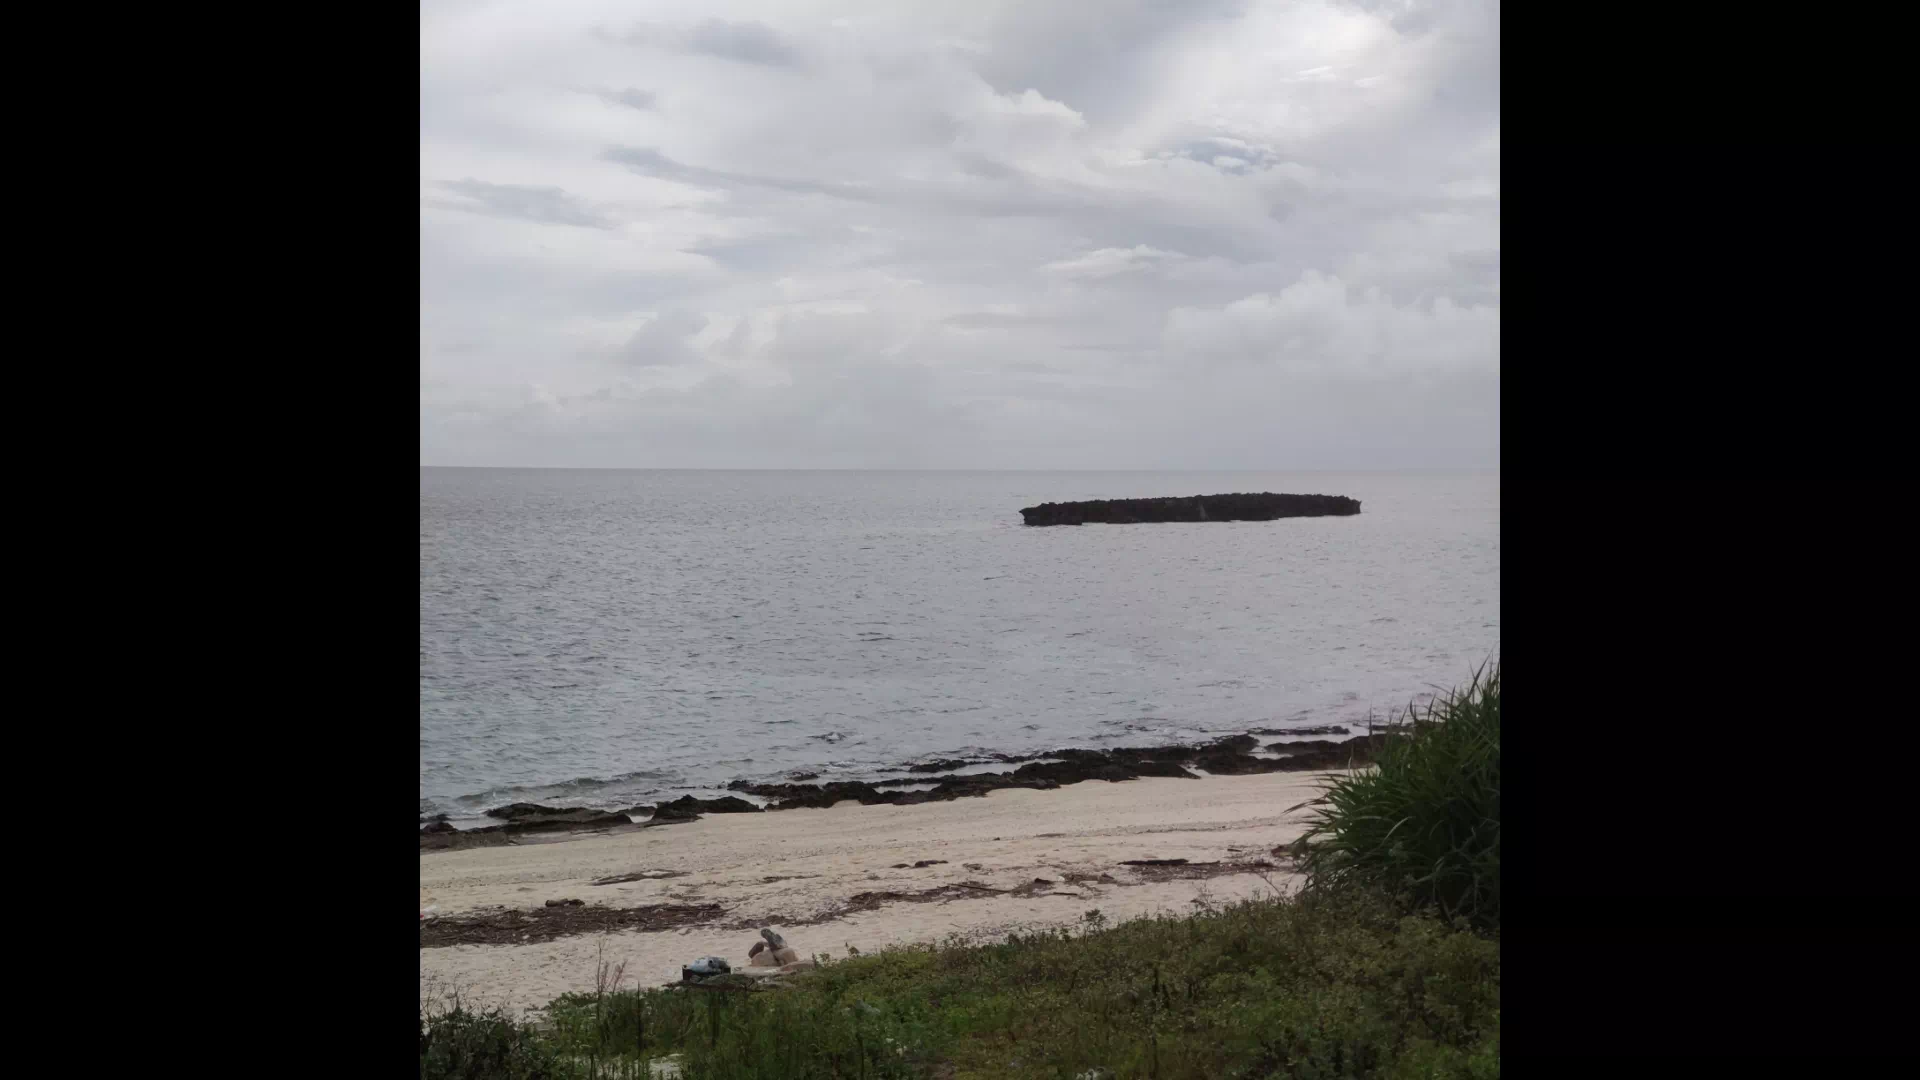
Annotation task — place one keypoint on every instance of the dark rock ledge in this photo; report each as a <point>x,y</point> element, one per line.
<point>1263,506</point>
<point>1229,756</point>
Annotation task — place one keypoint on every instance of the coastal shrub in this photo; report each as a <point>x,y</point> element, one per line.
<point>611,1024</point>
<point>460,1044</point>
<point>1424,823</point>
<point>1335,984</point>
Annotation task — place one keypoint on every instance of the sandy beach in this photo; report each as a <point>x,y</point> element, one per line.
<point>831,879</point>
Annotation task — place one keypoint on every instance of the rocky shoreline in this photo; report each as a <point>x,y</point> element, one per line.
<point>1231,756</point>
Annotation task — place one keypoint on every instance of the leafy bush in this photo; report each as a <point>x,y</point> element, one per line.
<point>463,1045</point>
<point>1424,824</point>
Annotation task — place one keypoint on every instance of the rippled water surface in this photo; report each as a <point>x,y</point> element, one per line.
<point>610,637</point>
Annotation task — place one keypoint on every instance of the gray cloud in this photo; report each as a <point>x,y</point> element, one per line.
<point>1094,55</point>
<point>742,40</point>
<point>747,42</point>
<point>651,162</point>
<point>1478,265</point>
<point>662,342</point>
<point>542,205</point>
<point>630,97</point>
<point>998,320</point>
<point>1015,233</point>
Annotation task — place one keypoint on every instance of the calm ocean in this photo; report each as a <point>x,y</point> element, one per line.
<point>603,638</point>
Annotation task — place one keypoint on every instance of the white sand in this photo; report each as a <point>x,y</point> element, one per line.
<point>828,856</point>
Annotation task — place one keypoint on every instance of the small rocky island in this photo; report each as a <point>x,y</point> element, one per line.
<point>1264,506</point>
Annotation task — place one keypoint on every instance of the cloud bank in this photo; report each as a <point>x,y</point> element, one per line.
<point>993,235</point>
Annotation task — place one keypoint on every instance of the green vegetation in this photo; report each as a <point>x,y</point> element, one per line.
<point>1343,986</point>
<point>463,1043</point>
<point>1387,966</point>
<point>1424,824</point>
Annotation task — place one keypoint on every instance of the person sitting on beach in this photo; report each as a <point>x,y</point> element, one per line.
<point>773,952</point>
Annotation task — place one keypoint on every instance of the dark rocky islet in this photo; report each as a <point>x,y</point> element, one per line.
<point>1261,506</point>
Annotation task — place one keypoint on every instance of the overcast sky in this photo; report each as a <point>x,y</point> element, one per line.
<point>984,234</point>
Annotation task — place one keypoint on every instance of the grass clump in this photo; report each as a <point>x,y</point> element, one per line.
<point>1424,824</point>
<point>458,1043</point>
<point>1324,986</point>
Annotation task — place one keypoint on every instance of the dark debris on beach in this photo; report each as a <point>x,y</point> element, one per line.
<point>516,927</point>
<point>566,918</point>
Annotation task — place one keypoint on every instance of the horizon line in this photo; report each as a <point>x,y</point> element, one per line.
<point>868,468</point>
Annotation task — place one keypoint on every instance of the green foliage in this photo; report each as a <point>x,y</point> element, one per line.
<point>1424,824</point>
<point>459,1044</point>
<point>1341,984</point>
